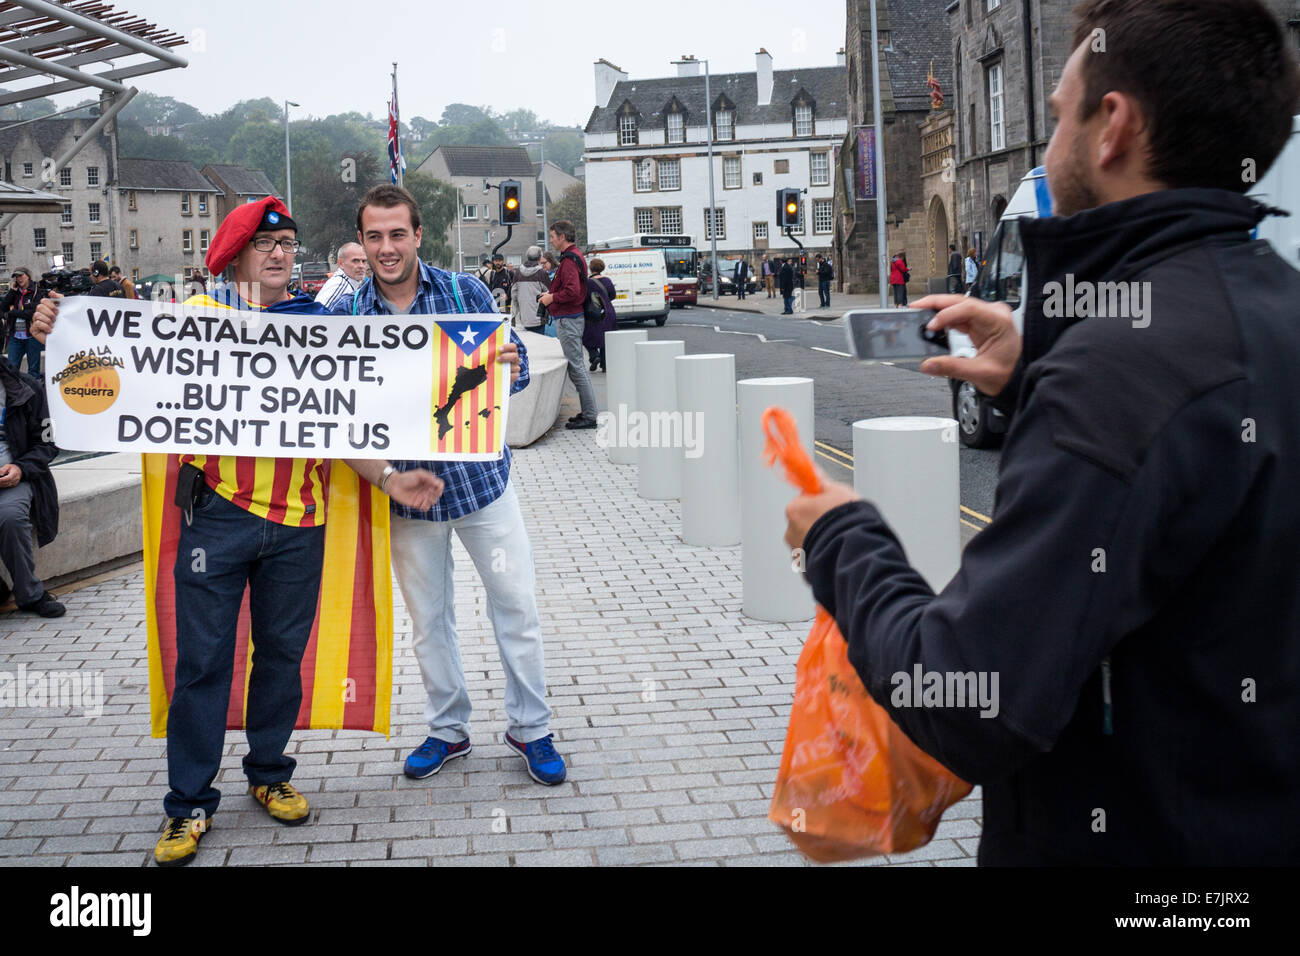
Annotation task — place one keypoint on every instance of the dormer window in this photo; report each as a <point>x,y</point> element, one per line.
<point>676,128</point>
<point>627,125</point>
<point>803,119</point>
<point>724,122</point>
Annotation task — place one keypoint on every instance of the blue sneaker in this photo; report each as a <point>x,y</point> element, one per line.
<point>428,758</point>
<point>544,764</point>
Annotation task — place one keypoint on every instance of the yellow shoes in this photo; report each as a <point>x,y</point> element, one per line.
<point>179,843</point>
<point>285,804</point>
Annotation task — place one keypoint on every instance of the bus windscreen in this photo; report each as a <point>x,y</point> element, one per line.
<point>680,263</point>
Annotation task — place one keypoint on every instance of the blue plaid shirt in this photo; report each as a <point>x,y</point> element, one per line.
<point>471,485</point>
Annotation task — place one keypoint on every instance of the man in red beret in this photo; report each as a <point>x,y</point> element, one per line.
<point>257,523</point>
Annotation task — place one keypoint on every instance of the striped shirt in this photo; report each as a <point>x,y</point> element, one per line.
<point>287,491</point>
<point>338,288</point>
<point>470,485</point>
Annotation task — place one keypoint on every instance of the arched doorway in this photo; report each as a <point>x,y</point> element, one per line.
<point>938,238</point>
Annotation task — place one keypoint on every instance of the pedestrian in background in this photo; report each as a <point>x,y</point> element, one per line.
<point>552,264</point>
<point>769,278</point>
<point>17,306</point>
<point>898,276</point>
<point>128,287</point>
<point>530,282</point>
<point>347,278</point>
<point>954,268</point>
<point>566,300</point>
<point>593,335</point>
<point>787,286</point>
<point>972,268</point>
<point>741,277</point>
<point>104,285</point>
<point>825,273</point>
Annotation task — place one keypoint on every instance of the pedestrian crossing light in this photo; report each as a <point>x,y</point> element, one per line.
<point>511,213</point>
<point>787,208</point>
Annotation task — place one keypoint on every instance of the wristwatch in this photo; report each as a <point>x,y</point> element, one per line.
<point>383,478</point>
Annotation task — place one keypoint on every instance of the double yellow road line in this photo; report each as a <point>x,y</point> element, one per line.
<point>845,460</point>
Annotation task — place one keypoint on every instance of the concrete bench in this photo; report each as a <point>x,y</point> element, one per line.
<point>534,410</point>
<point>99,515</point>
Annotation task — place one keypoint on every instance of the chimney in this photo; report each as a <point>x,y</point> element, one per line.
<point>839,57</point>
<point>764,60</point>
<point>607,77</point>
<point>689,66</point>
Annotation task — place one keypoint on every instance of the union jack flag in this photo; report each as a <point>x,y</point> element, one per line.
<point>396,161</point>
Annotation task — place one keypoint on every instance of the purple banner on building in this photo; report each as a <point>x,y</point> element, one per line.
<point>866,164</point>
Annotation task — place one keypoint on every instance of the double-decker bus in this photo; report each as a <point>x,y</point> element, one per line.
<point>680,261</point>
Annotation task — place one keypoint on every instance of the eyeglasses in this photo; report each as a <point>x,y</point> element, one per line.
<point>266,244</point>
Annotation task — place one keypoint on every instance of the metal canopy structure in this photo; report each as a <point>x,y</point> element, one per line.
<point>49,48</point>
<point>16,199</point>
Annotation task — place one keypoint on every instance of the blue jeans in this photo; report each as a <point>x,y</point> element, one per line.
<point>29,347</point>
<point>824,292</point>
<point>789,304</point>
<point>224,549</point>
<point>498,544</point>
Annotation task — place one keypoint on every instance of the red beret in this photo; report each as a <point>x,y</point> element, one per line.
<point>239,226</point>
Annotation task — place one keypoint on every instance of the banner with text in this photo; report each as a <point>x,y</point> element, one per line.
<point>136,375</point>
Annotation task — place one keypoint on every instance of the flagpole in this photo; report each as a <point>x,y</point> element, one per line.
<point>397,113</point>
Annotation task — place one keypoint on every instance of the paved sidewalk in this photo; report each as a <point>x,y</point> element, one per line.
<point>670,707</point>
<point>805,305</point>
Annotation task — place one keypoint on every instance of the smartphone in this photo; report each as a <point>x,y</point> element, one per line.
<point>893,334</point>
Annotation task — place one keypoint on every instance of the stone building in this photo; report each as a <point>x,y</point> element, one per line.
<point>238,185</point>
<point>85,228</point>
<point>466,168</point>
<point>168,213</point>
<point>647,167</point>
<point>913,39</point>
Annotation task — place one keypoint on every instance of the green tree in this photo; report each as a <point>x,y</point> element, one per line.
<point>328,193</point>
<point>573,207</point>
<point>437,201</point>
<point>462,114</point>
<point>564,148</point>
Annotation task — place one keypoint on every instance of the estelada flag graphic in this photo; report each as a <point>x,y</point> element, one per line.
<point>470,388</point>
<point>347,670</point>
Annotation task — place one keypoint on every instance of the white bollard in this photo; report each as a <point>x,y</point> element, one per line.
<point>649,429</point>
<point>908,468</point>
<point>620,387</point>
<point>772,583</point>
<point>706,397</point>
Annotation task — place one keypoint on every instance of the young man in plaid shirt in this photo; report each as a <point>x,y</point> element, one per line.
<point>478,503</point>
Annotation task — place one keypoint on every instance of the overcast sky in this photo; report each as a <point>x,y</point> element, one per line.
<point>334,56</point>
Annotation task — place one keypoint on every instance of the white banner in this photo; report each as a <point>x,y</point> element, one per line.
<point>137,375</point>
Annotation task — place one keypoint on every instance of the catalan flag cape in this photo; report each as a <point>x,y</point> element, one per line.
<point>347,669</point>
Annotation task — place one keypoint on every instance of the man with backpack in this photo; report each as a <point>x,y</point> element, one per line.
<point>566,302</point>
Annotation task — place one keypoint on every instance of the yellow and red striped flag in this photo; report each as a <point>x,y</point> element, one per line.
<point>347,669</point>
<point>469,406</point>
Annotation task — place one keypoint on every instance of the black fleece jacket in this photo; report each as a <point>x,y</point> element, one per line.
<point>1138,591</point>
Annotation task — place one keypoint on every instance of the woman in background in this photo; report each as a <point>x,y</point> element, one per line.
<point>593,333</point>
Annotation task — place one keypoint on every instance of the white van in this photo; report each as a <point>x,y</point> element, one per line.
<point>1003,274</point>
<point>640,283</point>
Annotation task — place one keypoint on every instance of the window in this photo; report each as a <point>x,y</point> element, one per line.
<point>997,125</point>
<point>203,240</point>
<point>203,204</point>
<point>65,176</point>
<point>803,120</point>
<point>670,220</point>
<point>92,175</point>
<point>670,174</point>
<point>9,173</point>
<point>781,166</point>
<point>130,200</point>
<point>676,128</point>
<point>27,170</point>
<point>627,130</point>
<point>718,227</point>
<point>93,209</point>
<point>67,252</point>
<point>4,256</point>
<point>823,221</point>
<point>758,179</point>
<point>820,168</point>
<point>644,175</point>
<point>731,172</point>
<point>65,215</point>
<point>185,204</point>
<point>645,220</point>
<point>135,239</point>
<point>993,5</point>
<point>725,123</point>
<point>135,275</point>
<point>38,238</point>
<point>760,231</point>
<point>187,241</point>
<point>471,211</point>
<point>96,250</point>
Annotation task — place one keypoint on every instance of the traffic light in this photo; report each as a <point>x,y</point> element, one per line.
<point>787,208</point>
<point>511,212</point>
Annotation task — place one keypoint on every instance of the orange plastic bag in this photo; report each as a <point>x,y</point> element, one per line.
<point>851,783</point>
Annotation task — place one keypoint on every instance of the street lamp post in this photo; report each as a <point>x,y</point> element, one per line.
<point>288,173</point>
<point>708,134</point>
<point>882,259</point>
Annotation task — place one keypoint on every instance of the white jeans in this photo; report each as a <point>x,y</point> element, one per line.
<point>498,544</point>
